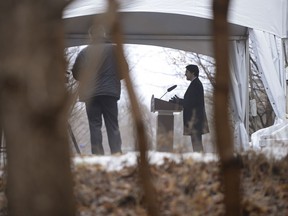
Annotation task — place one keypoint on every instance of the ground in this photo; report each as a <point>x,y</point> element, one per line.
<point>186,184</point>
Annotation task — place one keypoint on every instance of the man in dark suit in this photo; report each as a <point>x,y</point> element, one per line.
<point>194,114</point>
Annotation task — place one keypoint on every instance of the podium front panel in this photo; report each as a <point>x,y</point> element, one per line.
<point>165,133</point>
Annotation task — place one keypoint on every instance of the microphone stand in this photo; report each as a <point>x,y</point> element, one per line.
<point>163,94</point>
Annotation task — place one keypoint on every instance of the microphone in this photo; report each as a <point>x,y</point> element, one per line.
<point>168,90</point>
<point>171,88</point>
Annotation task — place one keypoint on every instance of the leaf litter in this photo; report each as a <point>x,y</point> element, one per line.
<point>183,187</point>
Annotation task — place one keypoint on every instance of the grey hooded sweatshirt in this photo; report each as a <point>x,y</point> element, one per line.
<point>96,69</point>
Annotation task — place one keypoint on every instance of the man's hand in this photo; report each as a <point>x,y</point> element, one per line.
<point>175,99</point>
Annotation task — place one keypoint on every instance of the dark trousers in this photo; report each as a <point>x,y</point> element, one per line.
<point>196,139</point>
<point>105,106</point>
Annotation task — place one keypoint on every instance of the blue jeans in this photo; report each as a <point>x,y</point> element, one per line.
<point>105,106</point>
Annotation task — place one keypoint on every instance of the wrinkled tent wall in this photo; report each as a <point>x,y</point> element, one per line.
<point>285,44</point>
<point>239,91</point>
<point>270,52</point>
<point>273,48</point>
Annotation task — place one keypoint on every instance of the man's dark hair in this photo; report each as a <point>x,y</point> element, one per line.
<point>193,69</point>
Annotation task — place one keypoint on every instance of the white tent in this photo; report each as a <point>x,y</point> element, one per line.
<point>186,25</point>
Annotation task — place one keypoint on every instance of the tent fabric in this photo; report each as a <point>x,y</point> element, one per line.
<point>183,32</point>
<point>145,22</point>
<point>259,138</point>
<point>266,15</point>
<point>239,95</point>
<point>267,51</point>
<point>248,13</point>
<point>189,29</point>
<point>270,57</point>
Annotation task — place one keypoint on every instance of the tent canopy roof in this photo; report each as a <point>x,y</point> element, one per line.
<point>170,24</point>
<point>146,27</point>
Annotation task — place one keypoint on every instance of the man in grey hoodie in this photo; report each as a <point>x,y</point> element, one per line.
<point>101,92</point>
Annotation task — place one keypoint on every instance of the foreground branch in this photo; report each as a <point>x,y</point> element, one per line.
<point>144,172</point>
<point>230,165</point>
<point>34,108</point>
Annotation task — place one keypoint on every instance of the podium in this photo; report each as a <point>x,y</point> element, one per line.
<point>165,123</point>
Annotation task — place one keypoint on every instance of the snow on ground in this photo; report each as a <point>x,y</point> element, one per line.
<point>116,163</point>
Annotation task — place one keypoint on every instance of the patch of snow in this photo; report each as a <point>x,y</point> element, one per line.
<point>116,163</point>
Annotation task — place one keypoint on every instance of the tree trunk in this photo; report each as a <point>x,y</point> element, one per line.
<point>34,107</point>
